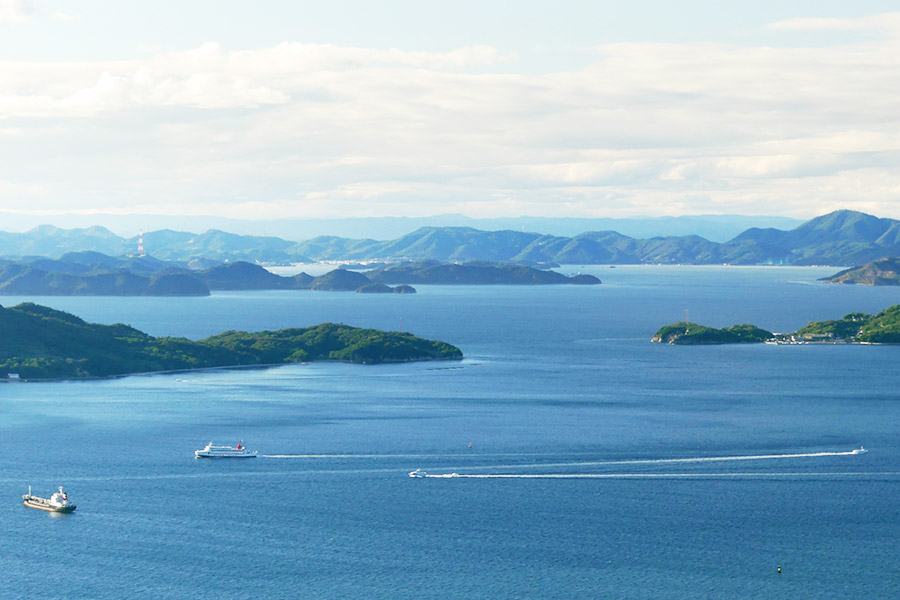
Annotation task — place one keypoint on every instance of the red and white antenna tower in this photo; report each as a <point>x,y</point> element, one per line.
<point>141,243</point>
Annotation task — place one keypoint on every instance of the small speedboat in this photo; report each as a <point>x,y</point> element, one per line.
<point>58,502</point>
<point>211,451</point>
<point>418,473</point>
<point>860,450</point>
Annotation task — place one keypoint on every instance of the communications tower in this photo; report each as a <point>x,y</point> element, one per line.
<point>141,243</point>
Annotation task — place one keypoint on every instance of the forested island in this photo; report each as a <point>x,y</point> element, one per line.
<point>44,343</point>
<point>853,328</point>
<point>685,332</point>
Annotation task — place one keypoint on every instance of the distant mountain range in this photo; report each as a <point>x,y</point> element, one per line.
<point>213,247</point>
<point>717,228</point>
<point>839,238</point>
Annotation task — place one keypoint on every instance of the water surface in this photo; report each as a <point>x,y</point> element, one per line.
<point>557,381</point>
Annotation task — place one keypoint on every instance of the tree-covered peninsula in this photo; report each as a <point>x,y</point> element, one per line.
<point>853,328</point>
<point>43,343</point>
<point>685,332</point>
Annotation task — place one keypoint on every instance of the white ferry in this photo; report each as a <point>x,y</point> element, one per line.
<point>58,502</point>
<point>238,451</point>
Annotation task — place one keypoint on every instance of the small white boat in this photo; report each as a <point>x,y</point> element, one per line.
<point>58,502</point>
<point>418,473</point>
<point>238,451</point>
<point>860,450</point>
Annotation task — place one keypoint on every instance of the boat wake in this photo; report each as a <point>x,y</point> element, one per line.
<point>664,461</point>
<point>654,461</point>
<point>454,455</point>
<point>651,461</point>
<point>773,475</point>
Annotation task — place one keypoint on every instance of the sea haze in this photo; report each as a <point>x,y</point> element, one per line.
<point>559,381</point>
<point>717,228</point>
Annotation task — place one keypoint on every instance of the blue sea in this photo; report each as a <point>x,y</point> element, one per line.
<point>591,463</point>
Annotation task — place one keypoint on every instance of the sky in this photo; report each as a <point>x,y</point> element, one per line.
<point>294,109</point>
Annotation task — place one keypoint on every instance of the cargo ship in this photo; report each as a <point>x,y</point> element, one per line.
<point>58,502</point>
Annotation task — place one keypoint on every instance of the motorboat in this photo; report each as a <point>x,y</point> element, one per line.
<point>211,451</point>
<point>860,450</point>
<point>58,502</point>
<point>418,474</point>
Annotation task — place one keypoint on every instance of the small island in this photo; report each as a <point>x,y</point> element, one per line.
<point>44,343</point>
<point>853,328</point>
<point>686,333</point>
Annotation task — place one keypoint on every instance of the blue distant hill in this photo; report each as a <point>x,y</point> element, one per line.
<point>716,228</point>
<point>840,238</point>
<point>95,274</point>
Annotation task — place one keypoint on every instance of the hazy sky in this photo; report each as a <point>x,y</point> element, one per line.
<point>287,108</point>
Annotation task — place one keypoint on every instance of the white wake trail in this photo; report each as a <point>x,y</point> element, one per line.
<point>775,475</point>
<point>654,461</point>
<point>660,461</point>
<point>467,455</point>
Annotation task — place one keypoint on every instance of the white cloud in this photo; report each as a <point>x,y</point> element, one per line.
<point>15,11</point>
<point>886,22</point>
<point>66,17</point>
<point>303,129</point>
<point>21,190</point>
<point>208,77</point>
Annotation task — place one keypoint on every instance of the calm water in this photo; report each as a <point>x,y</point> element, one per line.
<point>557,381</point>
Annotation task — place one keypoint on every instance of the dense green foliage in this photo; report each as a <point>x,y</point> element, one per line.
<point>844,328</point>
<point>39,342</point>
<point>329,341</point>
<point>747,333</point>
<point>883,328</point>
<point>857,327</point>
<point>685,332</point>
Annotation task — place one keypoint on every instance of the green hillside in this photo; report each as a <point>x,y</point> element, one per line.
<point>853,328</point>
<point>693,333</point>
<point>884,328</point>
<point>39,343</point>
